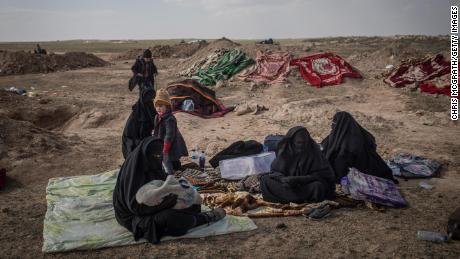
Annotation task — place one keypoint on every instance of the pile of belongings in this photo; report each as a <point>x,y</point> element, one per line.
<point>324,69</point>
<point>192,97</point>
<point>372,188</point>
<point>271,67</point>
<point>208,181</point>
<point>249,107</point>
<point>229,64</point>
<point>411,166</point>
<point>419,71</point>
<point>253,206</point>
<point>203,63</point>
<point>237,149</point>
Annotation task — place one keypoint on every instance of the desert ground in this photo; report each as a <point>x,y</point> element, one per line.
<point>72,125</point>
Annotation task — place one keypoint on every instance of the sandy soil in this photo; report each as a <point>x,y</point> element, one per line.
<point>74,123</point>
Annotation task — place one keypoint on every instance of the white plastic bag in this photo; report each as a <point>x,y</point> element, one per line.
<point>238,168</point>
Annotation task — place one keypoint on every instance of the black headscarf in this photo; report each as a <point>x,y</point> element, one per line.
<point>141,166</point>
<point>350,145</point>
<point>140,122</point>
<point>302,158</point>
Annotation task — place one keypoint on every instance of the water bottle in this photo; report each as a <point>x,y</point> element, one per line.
<point>431,236</point>
<point>202,161</point>
<point>194,158</point>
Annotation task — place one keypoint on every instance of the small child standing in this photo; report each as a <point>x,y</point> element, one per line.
<point>165,127</point>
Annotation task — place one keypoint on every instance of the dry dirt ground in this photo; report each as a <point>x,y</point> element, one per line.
<point>73,126</point>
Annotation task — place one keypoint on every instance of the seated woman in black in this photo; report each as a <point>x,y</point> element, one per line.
<point>350,145</point>
<point>300,173</point>
<point>142,166</point>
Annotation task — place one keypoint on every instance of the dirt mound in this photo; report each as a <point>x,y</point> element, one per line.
<point>130,54</point>
<point>21,62</point>
<point>223,43</point>
<point>41,113</point>
<point>23,139</point>
<point>374,62</point>
<point>93,118</point>
<point>201,55</point>
<point>181,50</point>
<point>25,127</point>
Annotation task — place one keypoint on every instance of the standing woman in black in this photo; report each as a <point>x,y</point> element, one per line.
<point>350,145</point>
<point>140,122</point>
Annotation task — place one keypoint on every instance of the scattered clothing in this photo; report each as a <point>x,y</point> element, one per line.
<point>249,107</point>
<point>237,149</point>
<point>271,67</point>
<point>253,206</point>
<point>371,188</point>
<point>350,145</point>
<point>418,71</point>
<point>17,90</point>
<point>412,166</point>
<point>205,102</point>
<point>229,64</point>
<point>324,69</point>
<point>300,172</point>
<point>140,123</point>
<point>80,216</point>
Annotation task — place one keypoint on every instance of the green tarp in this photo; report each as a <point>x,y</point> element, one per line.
<point>80,216</point>
<point>229,64</point>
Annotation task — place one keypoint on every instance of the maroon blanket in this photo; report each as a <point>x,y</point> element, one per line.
<point>324,69</point>
<point>271,67</point>
<point>204,99</point>
<point>418,71</point>
<point>439,85</point>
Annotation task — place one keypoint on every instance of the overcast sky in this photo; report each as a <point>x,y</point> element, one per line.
<point>32,20</point>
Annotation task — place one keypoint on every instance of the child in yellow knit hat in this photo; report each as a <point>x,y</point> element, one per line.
<point>165,127</point>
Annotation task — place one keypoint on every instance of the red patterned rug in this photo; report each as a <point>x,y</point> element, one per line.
<point>439,85</point>
<point>271,67</point>
<point>324,69</point>
<point>418,71</point>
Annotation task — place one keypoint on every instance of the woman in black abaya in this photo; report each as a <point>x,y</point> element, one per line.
<point>350,145</point>
<point>140,122</point>
<point>152,222</point>
<point>300,173</point>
